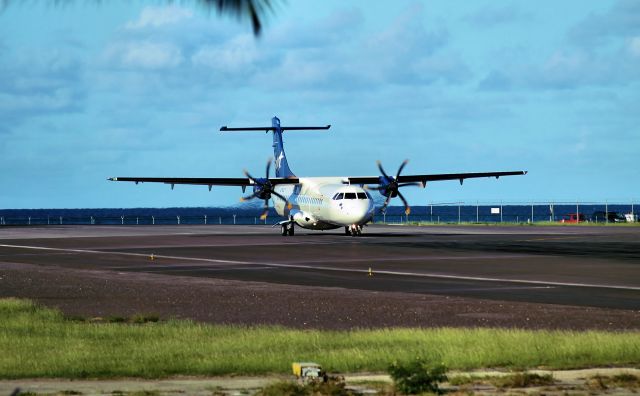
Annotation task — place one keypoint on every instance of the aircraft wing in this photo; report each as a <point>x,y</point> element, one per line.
<point>435,177</point>
<point>205,181</point>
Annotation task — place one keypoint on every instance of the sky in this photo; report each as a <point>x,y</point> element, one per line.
<point>90,90</point>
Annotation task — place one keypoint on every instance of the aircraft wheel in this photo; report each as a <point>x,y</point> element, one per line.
<point>347,231</point>
<point>359,230</point>
<point>283,229</point>
<point>291,232</point>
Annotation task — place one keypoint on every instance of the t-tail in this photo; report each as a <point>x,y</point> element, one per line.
<point>280,158</point>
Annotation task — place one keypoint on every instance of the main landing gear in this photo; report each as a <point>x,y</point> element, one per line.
<point>287,229</point>
<point>353,230</point>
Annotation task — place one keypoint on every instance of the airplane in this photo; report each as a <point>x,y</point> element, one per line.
<point>317,203</point>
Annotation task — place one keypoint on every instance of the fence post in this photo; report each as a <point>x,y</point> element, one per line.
<point>234,219</point>
<point>60,220</point>
<point>178,219</point>
<point>220,219</point>
<point>458,212</point>
<point>137,221</point>
<point>205,219</point>
<point>531,212</point>
<point>477,212</point>
<point>29,220</point>
<point>501,211</point>
<point>153,220</point>
<point>122,219</point>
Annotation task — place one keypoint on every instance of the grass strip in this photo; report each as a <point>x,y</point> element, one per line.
<point>39,342</point>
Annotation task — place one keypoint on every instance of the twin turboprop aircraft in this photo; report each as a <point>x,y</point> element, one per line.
<point>318,203</point>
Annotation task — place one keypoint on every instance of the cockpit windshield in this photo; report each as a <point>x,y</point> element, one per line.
<point>350,195</point>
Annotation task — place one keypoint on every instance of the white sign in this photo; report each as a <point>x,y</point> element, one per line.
<point>495,210</point>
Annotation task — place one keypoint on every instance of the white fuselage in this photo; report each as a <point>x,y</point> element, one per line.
<point>323,203</point>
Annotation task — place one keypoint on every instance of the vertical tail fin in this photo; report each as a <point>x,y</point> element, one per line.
<point>280,158</point>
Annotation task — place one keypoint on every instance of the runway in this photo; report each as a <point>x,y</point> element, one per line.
<point>577,266</point>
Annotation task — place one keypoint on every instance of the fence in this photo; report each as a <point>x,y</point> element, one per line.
<point>508,212</point>
<point>134,220</point>
<point>456,212</point>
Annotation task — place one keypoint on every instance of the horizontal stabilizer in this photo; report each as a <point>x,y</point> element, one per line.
<point>270,128</point>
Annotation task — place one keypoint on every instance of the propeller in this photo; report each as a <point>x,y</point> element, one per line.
<point>390,188</point>
<point>263,189</point>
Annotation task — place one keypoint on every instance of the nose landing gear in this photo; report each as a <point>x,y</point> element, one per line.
<point>353,230</point>
<point>287,229</point>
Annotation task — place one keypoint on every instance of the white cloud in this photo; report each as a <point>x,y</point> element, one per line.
<point>238,53</point>
<point>145,55</point>
<point>496,15</point>
<point>39,85</point>
<point>634,47</point>
<point>622,19</point>
<point>153,17</point>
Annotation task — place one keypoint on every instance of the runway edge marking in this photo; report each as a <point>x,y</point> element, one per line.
<point>300,266</point>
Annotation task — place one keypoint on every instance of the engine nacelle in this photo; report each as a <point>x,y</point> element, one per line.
<point>259,189</point>
<point>303,218</point>
<point>388,187</point>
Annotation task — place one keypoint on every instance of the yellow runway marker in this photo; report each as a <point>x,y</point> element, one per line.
<point>370,273</point>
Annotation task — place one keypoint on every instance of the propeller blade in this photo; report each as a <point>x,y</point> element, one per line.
<point>289,205</point>
<point>404,163</point>
<point>410,184</point>
<point>386,202</point>
<point>250,177</point>
<point>248,197</point>
<point>407,209</point>
<point>381,169</point>
<point>264,214</point>
<point>268,168</point>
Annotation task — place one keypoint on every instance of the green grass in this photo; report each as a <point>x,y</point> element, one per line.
<point>40,342</point>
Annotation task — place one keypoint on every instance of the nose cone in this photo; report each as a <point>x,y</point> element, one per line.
<point>356,211</point>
